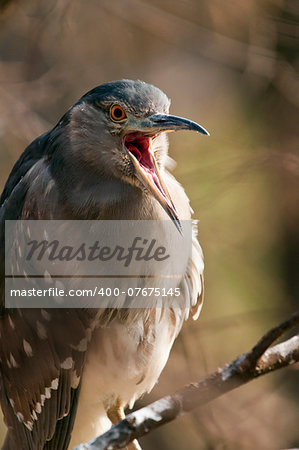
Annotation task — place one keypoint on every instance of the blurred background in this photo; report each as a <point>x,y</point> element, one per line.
<point>233,67</point>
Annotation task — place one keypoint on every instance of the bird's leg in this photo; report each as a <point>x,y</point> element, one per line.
<point>116,413</point>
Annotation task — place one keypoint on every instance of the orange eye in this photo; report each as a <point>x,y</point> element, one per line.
<point>117,113</point>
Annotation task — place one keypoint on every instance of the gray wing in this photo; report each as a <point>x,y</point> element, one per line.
<point>194,276</point>
<point>192,283</point>
<point>41,351</point>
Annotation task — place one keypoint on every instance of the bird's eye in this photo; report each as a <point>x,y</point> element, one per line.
<point>117,113</point>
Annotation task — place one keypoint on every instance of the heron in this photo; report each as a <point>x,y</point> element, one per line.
<point>68,374</point>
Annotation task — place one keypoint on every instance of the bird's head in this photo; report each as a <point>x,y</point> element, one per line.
<point>119,130</point>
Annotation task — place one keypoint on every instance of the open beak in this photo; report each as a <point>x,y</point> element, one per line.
<point>138,142</point>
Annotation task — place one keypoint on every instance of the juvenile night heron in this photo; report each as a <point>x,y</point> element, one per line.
<point>67,374</point>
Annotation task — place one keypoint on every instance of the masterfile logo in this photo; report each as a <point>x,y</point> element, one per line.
<point>140,250</point>
<point>60,263</point>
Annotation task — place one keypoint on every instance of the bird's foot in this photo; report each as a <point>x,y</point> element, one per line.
<point>116,413</point>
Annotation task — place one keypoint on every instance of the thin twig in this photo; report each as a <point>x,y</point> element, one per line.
<point>258,361</point>
<point>268,339</point>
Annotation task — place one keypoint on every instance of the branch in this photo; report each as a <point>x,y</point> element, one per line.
<point>258,361</point>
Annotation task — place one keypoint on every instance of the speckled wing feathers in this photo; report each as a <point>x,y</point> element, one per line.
<point>40,360</point>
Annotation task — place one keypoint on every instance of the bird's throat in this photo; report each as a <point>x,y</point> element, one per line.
<point>139,146</point>
<point>146,168</point>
